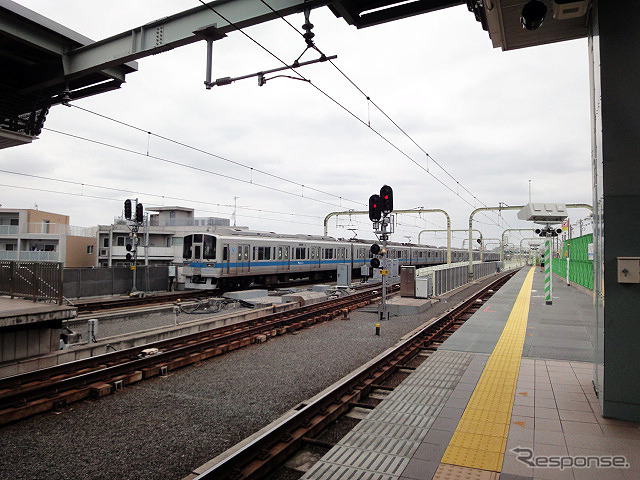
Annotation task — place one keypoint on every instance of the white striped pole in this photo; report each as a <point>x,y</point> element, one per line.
<point>548,281</point>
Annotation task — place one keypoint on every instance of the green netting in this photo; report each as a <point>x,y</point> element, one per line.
<point>580,267</point>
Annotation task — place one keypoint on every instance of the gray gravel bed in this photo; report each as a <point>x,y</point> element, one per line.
<point>164,427</point>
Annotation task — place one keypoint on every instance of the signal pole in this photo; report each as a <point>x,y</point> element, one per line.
<point>135,223</point>
<point>380,208</point>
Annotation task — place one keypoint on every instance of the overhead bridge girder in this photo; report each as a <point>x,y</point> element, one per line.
<point>215,19</point>
<point>366,13</point>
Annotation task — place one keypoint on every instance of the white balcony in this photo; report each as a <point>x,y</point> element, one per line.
<point>155,253</point>
<point>8,230</point>
<point>30,256</point>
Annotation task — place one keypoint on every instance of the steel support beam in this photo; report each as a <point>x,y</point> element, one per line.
<point>500,208</point>
<point>417,210</point>
<point>177,30</point>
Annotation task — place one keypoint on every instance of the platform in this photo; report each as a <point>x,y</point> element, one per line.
<point>508,396</point>
<point>29,328</point>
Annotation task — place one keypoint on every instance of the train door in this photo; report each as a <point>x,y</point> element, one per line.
<point>279,259</point>
<point>197,248</point>
<point>242,259</point>
<point>226,255</point>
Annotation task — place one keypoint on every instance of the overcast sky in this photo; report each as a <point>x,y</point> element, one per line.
<point>494,120</point>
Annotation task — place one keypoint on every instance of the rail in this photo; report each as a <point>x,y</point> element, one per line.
<point>260,455</point>
<point>35,280</point>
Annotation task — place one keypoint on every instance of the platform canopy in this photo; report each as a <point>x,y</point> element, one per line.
<point>43,63</point>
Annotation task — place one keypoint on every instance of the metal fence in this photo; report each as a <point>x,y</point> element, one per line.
<point>36,280</point>
<point>449,277</point>
<point>89,282</point>
<point>580,265</point>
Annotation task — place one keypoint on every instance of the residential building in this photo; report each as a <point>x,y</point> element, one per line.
<point>163,231</point>
<point>36,235</point>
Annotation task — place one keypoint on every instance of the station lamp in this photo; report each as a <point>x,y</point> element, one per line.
<point>533,14</point>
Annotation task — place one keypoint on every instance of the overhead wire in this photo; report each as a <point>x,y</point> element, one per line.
<point>185,165</point>
<point>165,197</point>
<point>403,131</point>
<point>220,157</point>
<point>340,105</point>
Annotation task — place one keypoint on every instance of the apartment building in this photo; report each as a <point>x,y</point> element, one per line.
<point>36,235</point>
<point>160,236</point>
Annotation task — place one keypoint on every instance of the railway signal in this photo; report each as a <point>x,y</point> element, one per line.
<point>375,213</point>
<point>380,208</point>
<point>139,213</point>
<point>386,199</point>
<point>127,209</point>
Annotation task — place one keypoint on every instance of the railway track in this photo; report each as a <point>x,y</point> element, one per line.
<point>93,306</point>
<point>55,387</point>
<point>114,303</point>
<point>263,454</point>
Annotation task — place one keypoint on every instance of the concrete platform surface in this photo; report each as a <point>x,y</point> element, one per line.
<point>482,407</point>
<point>17,311</point>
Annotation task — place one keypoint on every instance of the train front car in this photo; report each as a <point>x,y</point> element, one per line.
<point>202,268</point>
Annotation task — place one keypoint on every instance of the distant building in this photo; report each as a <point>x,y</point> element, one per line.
<point>166,227</point>
<point>35,235</point>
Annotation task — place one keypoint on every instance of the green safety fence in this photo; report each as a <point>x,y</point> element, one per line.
<point>580,266</point>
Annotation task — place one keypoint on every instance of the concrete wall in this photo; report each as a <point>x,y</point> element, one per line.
<point>76,254</point>
<point>91,282</point>
<point>617,173</point>
<point>38,216</point>
<point>29,340</point>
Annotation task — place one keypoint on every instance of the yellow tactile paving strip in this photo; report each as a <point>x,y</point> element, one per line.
<point>481,436</point>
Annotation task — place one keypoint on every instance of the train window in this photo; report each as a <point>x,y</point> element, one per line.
<point>197,238</point>
<point>209,252</point>
<point>313,253</point>
<point>186,247</point>
<point>240,253</point>
<point>225,253</point>
<point>279,253</point>
<point>286,253</point>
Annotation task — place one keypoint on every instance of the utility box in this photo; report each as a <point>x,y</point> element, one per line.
<point>543,212</point>
<point>628,269</point>
<point>408,281</point>
<point>344,275</point>
<point>424,287</point>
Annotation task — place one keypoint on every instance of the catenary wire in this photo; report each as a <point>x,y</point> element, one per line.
<point>404,132</point>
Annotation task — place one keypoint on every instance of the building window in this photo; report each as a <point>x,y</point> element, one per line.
<point>90,249</point>
<point>9,247</point>
<point>120,241</point>
<point>105,242</point>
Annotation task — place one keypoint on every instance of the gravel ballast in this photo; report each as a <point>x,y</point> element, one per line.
<point>165,427</point>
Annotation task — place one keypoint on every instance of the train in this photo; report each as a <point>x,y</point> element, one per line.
<point>235,257</point>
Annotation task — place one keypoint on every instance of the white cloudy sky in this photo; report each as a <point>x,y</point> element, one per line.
<point>494,120</point>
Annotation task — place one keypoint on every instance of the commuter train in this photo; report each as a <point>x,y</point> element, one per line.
<point>236,257</point>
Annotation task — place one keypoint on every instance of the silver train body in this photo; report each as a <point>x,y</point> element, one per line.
<point>229,257</point>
